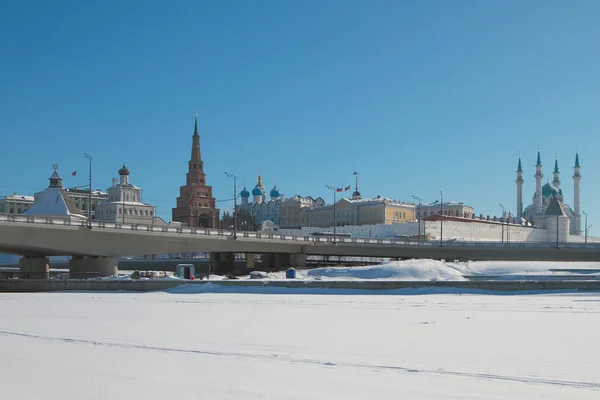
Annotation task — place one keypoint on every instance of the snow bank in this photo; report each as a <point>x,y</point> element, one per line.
<point>409,270</point>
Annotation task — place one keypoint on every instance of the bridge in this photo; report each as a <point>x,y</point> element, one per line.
<point>96,248</point>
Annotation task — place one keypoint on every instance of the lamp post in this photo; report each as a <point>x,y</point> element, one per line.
<point>235,178</point>
<point>441,219</point>
<point>418,214</point>
<point>90,195</point>
<point>123,201</point>
<point>586,227</point>
<point>334,200</point>
<point>502,221</point>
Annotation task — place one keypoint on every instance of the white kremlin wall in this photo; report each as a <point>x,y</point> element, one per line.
<point>471,231</point>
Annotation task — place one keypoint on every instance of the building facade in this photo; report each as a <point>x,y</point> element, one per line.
<point>124,204</point>
<point>450,208</point>
<point>293,210</point>
<point>15,203</point>
<point>359,211</point>
<point>196,206</point>
<point>81,198</point>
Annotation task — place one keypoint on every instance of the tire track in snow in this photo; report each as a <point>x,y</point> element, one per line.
<point>285,358</point>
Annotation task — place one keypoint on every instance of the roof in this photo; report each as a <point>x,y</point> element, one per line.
<point>555,208</point>
<point>56,202</point>
<point>445,203</point>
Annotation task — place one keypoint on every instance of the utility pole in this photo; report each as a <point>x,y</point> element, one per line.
<point>235,178</point>
<point>586,227</point>
<point>334,221</point>
<point>90,196</point>
<point>418,214</point>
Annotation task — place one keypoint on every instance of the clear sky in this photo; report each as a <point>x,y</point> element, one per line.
<point>417,96</point>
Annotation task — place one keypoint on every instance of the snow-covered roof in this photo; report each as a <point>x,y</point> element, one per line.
<point>445,203</point>
<point>54,201</point>
<point>18,197</point>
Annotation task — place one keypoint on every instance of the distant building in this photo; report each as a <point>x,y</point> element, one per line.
<point>450,208</point>
<point>81,198</point>
<point>124,204</point>
<point>358,211</point>
<point>196,206</point>
<point>15,203</point>
<point>55,202</point>
<point>293,210</point>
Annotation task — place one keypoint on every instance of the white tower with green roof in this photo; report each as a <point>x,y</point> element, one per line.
<point>519,183</point>
<point>576,180</point>
<point>538,185</point>
<point>556,174</point>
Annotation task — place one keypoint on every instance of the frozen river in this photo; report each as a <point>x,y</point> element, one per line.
<point>260,346</point>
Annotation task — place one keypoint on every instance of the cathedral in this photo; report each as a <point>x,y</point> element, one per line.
<point>260,208</point>
<point>548,199</point>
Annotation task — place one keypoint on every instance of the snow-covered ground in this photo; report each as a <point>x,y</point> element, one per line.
<point>432,270</point>
<point>167,345</point>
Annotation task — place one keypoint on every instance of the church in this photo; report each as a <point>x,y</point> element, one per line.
<point>548,200</point>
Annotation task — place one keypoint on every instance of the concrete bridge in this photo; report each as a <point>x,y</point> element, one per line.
<point>97,249</point>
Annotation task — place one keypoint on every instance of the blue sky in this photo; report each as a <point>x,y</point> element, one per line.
<point>417,96</point>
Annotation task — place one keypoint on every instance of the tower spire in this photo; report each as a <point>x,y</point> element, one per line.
<point>576,196</point>
<point>195,160</point>
<point>556,179</point>
<point>519,183</point>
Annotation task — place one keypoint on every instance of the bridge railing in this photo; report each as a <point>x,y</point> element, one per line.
<point>170,229</point>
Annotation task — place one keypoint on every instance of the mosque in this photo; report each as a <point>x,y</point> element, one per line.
<point>548,199</point>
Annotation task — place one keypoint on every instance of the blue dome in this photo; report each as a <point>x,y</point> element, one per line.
<point>275,192</point>
<point>245,193</point>
<point>257,191</point>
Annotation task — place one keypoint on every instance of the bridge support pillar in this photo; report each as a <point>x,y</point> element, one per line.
<point>250,260</point>
<point>91,267</point>
<point>34,267</point>
<point>222,263</point>
<point>279,261</point>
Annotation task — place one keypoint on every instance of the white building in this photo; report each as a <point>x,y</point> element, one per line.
<point>542,198</point>
<point>452,208</point>
<point>261,209</point>
<point>55,202</point>
<point>125,204</point>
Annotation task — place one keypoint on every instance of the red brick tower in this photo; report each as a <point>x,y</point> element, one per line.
<point>195,204</point>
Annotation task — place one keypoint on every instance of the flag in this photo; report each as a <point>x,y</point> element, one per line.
<point>74,173</point>
<point>338,189</point>
<point>347,188</point>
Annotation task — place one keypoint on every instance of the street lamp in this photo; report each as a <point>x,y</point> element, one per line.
<point>502,221</point>
<point>335,189</point>
<point>441,219</point>
<point>90,201</point>
<point>235,178</point>
<point>586,226</point>
<point>418,214</point>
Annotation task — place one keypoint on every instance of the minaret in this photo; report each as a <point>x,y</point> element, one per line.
<point>519,183</point>
<point>576,179</point>
<point>538,184</point>
<point>556,179</point>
